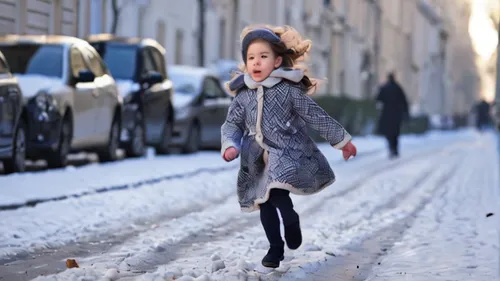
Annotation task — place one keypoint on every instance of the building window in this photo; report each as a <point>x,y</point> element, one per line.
<point>179,44</point>
<point>326,3</point>
<point>161,32</point>
<point>222,37</point>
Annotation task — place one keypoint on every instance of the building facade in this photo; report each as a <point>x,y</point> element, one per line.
<point>38,17</point>
<point>175,28</point>
<point>356,43</point>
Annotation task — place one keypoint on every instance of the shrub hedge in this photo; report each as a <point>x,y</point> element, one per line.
<point>360,117</point>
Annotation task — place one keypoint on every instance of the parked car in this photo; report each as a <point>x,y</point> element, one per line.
<point>224,68</point>
<point>12,126</point>
<point>138,65</point>
<point>201,107</point>
<point>71,100</point>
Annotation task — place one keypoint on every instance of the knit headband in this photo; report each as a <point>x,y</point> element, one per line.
<point>259,33</point>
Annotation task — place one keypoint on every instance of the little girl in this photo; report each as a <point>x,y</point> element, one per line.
<point>267,125</point>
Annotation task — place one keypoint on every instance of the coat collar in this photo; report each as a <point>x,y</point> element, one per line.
<point>274,78</point>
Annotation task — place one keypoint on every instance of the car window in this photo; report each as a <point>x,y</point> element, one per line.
<point>94,62</point>
<point>77,62</point>
<point>121,59</point>
<point>220,92</point>
<point>185,83</point>
<point>37,59</point>
<point>212,89</point>
<point>3,67</point>
<point>159,62</point>
<point>147,61</point>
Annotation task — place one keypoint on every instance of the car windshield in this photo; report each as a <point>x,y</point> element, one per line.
<point>121,59</point>
<point>184,83</point>
<point>225,69</point>
<point>44,60</point>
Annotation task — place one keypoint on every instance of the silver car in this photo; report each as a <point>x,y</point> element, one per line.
<point>201,107</point>
<point>71,101</point>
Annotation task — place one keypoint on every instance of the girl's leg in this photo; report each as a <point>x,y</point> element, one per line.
<point>280,199</point>
<point>271,223</point>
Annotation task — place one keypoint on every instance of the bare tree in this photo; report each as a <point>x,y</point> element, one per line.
<point>117,8</point>
<point>236,25</point>
<point>201,32</point>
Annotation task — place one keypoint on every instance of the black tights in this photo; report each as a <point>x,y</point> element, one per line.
<point>278,199</point>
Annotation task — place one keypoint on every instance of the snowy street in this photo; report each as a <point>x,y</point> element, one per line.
<point>432,214</point>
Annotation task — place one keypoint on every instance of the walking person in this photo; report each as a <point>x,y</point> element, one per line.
<point>394,111</point>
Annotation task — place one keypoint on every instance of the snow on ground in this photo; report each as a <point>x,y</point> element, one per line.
<point>56,223</point>
<point>24,187</point>
<point>453,238</point>
<point>204,230</point>
<point>54,183</point>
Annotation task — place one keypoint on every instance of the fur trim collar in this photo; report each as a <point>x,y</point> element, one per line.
<point>244,79</point>
<point>275,77</point>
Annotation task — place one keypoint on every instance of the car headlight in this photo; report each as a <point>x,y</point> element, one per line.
<point>45,102</point>
<point>41,101</point>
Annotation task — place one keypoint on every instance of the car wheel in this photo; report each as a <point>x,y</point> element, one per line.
<point>16,164</point>
<point>109,153</point>
<point>193,141</point>
<point>59,157</point>
<point>137,145</point>
<point>164,145</point>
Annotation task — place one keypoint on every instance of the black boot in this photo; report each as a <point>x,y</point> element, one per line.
<point>293,235</point>
<point>273,257</point>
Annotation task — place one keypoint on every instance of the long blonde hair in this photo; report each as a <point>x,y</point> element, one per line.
<point>293,49</point>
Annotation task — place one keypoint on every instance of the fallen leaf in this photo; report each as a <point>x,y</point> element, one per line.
<point>71,263</point>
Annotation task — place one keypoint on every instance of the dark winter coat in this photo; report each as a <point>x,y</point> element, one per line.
<point>394,109</point>
<point>482,110</point>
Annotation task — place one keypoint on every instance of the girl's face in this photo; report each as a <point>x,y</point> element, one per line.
<point>261,60</point>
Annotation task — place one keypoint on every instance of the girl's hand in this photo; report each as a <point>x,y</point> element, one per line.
<point>349,150</point>
<point>230,154</point>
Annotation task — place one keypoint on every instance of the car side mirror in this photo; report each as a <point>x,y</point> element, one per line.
<point>153,77</point>
<point>85,76</point>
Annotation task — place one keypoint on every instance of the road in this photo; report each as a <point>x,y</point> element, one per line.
<point>430,215</point>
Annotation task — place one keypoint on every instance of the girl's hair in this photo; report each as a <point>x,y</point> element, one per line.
<point>292,48</point>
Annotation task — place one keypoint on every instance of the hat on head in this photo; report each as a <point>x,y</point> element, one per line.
<point>258,33</point>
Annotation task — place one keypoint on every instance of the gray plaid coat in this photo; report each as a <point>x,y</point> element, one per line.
<point>267,122</point>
